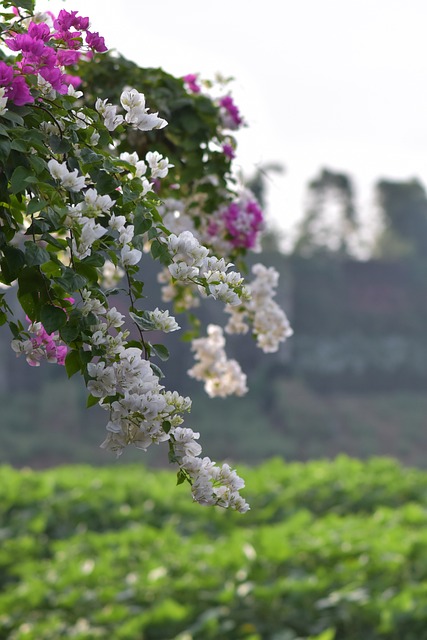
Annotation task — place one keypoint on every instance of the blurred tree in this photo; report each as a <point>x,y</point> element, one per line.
<point>330,222</point>
<point>403,211</point>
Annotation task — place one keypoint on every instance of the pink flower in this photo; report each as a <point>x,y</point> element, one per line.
<point>39,30</point>
<point>243,221</point>
<point>233,118</point>
<point>66,20</point>
<point>67,57</point>
<point>191,80</point>
<point>96,42</point>
<point>6,74</point>
<point>19,92</point>
<point>228,151</point>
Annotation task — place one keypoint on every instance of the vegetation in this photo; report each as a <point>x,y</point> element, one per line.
<point>329,551</point>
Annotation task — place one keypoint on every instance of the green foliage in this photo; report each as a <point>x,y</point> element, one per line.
<point>330,551</point>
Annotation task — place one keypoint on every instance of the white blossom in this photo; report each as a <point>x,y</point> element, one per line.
<point>68,179</point>
<point>163,321</point>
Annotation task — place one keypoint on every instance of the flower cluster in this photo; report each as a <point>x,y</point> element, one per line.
<point>230,113</point>
<point>81,207</point>
<point>222,376</point>
<point>44,53</point>
<point>133,102</point>
<point>142,413</point>
<point>191,80</point>
<point>191,263</point>
<point>241,222</point>
<point>270,324</point>
<point>41,346</point>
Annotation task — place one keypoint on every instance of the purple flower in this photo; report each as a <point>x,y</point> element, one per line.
<point>6,74</point>
<point>233,118</point>
<point>96,42</point>
<point>191,80</point>
<point>228,151</point>
<point>243,221</point>
<point>39,31</point>
<point>66,57</point>
<point>19,92</point>
<point>68,19</point>
<point>55,76</point>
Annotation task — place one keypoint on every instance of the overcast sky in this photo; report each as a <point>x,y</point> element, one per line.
<point>322,83</point>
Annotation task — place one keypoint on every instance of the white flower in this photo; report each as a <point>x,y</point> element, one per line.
<point>134,104</point>
<point>222,377</point>
<point>109,114</point>
<point>117,222</point>
<point>163,321</point>
<point>181,271</point>
<point>159,166</point>
<point>133,159</point>
<point>71,91</point>
<point>131,99</point>
<point>94,204</point>
<point>68,179</point>
<point>130,257</point>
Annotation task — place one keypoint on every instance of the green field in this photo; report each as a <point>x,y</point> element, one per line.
<point>330,550</point>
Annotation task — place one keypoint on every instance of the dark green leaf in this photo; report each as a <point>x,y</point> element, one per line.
<point>12,263</point>
<point>35,255</point>
<point>58,144</point>
<point>91,401</point>
<point>70,331</point>
<point>71,281</point>
<point>20,179</point>
<point>156,370</point>
<point>72,363</point>
<point>52,318</point>
<point>161,351</point>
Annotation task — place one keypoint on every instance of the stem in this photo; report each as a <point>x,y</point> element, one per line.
<point>132,303</point>
<point>50,114</point>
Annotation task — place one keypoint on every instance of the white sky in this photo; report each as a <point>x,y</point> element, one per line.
<point>322,83</point>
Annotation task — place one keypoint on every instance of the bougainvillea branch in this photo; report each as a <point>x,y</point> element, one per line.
<point>87,184</point>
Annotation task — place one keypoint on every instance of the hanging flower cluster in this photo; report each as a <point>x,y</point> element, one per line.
<point>270,324</point>
<point>78,209</point>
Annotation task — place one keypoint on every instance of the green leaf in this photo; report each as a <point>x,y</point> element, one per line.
<point>4,151</point>
<point>19,145</point>
<point>143,321</point>
<point>58,144</point>
<point>20,179</point>
<point>161,351</point>
<point>54,242</point>
<point>13,117</point>
<point>70,331</point>
<point>35,205</point>
<point>156,370</point>
<point>141,224</point>
<point>181,476</point>
<point>166,426</point>
<point>12,263</point>
<point>160,252</point>
<point>35,255</point>
<point>105,183</point>
<point>52,318</point>
<point>72,363</point>
<point>70,280</point>
<point>91,401</point>
<point>90,157</point>
<point>30,305</point>
<point>28,5</point>
<point>95,260</point>
<point>38,164</point>
<point>87,271</point>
